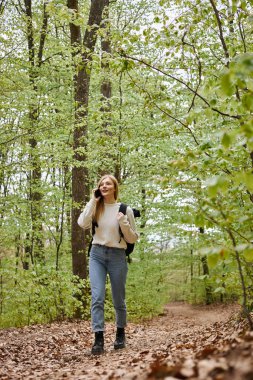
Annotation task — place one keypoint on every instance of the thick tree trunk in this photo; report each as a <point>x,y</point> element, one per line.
<point>80,182</point>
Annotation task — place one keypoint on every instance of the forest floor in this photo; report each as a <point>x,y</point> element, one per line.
<point>186,342</point>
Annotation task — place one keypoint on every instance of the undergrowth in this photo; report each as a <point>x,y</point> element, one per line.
<point>43,295</point>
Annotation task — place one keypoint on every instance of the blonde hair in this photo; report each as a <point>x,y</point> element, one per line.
<point>100,204</point>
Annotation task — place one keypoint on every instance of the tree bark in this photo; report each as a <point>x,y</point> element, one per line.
<point>36,245</point>
<point>205,268</point>
<point>80,181</point>
<point>111,165</point>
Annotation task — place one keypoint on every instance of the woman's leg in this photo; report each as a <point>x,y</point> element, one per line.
<point>98,272</point>
<point>117,269</point>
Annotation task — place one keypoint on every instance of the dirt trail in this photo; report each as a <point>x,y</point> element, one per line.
<point>171,346</point>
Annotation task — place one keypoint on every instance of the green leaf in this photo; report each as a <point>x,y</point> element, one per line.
<point>247,101</point>
<point>248,254</point>
<point>226,85</point>
<point>247,129</point>
<point>216,184</point>
<point>206,145</point>
<point>246,179</point>
<point>213,259</point>
<point>199,220</point>
<point>213,102</point>
<point>226,140</point>
<point>250,85</point>
<point>220,290</point>
<point>243,5</point>
<point>203,277</point>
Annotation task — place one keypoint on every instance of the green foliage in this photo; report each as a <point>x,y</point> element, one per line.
<point>147,285</point>
<point>40,295</point>
<point>178,128</point>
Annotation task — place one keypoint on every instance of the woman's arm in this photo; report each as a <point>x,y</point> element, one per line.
<point>85,218</point>
<point>127,226</point>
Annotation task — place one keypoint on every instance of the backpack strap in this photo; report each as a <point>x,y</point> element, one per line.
<point>122,208</point>
<point>93,228</point>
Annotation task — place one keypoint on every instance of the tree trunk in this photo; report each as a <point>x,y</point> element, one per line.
<point>36,245</point>
<point>106,94</point>
<point>208,288</point>
<point>118,161</point>
<point>106,86</point>
<point>80,182</point>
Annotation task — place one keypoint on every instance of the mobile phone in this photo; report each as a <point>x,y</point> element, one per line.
<point>97,193</point>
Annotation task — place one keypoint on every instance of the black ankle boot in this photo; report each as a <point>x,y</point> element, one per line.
<point>98,346</point>
<point>120,341</point>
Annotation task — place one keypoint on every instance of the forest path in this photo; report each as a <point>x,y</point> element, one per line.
<point>186,342</point>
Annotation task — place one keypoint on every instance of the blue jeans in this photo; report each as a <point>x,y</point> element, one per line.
<point>109,260</point>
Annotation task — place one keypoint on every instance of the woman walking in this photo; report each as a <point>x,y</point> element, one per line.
<point>107,256</point>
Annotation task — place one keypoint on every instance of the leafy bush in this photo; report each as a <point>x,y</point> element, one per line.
<point>39,296</point>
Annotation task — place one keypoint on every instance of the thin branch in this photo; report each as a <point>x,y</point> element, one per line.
<point>199,69</point>
<point>224,45</point>
<point>51,56</point>
<point>21,7</point>
<point>166,112</point>
<point>13,49</point>
<point>212,219</point>
<point>216,56</point>
<point>13,4</point>
<point>181,82</point>
<point>28,133</point>
<point>242,34</point>
<point>2,6</point>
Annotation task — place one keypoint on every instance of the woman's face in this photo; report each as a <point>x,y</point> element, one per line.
<point>107,188</point>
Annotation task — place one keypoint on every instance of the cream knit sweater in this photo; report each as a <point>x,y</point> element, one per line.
<point>107,232</point>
